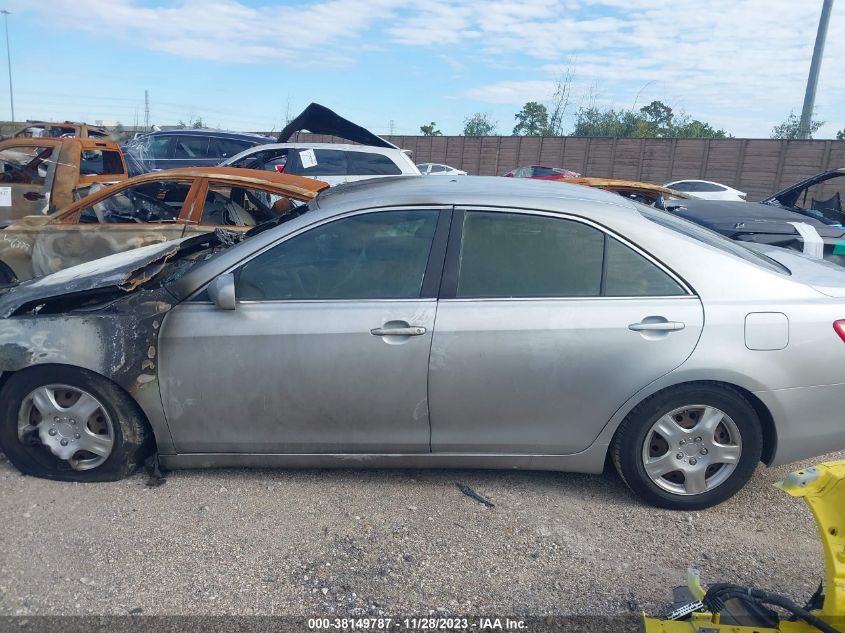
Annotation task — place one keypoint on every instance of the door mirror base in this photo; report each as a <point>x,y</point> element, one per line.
<point>222,291</point>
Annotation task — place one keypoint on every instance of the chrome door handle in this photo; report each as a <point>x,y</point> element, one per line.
<point>411,330</point>
<point>660,326</point>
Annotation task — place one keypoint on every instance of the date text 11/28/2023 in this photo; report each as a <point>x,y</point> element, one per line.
<point>416,624</point>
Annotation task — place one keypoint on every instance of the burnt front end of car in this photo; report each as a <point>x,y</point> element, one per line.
<point>105,319</point>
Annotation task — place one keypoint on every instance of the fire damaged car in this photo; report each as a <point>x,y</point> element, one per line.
<point>40,175</point>
<point>148,209</point>
<point>313,342</point>
<point>806,216</point>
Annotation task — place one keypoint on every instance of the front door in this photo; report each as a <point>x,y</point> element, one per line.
<point>327,350</point>
<point>133,216</point>
<point>533,352</point>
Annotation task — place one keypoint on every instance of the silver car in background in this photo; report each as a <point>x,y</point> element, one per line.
<point>434,322</point>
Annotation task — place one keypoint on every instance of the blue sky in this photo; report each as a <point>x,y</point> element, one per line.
<point>242,64</point>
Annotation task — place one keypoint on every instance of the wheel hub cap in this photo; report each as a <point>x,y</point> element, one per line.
<point>70,422</point>
<point>692,449</point>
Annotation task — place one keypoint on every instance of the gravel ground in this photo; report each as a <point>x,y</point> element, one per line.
<point>350,542</point>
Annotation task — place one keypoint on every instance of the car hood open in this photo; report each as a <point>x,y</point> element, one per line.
<point>318,119</point>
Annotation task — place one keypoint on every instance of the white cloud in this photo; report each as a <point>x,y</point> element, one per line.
<point>739,63</point>
<point>228,30</point>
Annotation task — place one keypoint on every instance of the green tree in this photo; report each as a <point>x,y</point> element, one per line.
<point>430,130</point>
<point>479,124</point>
<point>840,135</point>
<point>532,120</point>
<point>658,118</point>
<point>789,129</point>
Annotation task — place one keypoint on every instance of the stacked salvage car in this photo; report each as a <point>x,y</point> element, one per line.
<point>415,322</point>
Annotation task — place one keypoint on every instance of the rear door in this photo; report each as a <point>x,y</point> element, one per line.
<point>27,173</point>
<point>193,151</point>
<point>545,326</point>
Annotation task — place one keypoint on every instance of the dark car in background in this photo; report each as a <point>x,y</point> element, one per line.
<point>806,216</point>
<point>169,149</point>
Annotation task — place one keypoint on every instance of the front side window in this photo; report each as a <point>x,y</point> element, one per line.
<point>157,147</point>
<point>512,255</point>
<point>379,255</point>
<point>25,165</point>
<point>157,201</point>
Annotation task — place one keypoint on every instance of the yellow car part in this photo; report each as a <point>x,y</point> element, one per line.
<point>823,490</point>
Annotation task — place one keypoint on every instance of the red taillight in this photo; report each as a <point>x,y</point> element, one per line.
<point>839,326</point>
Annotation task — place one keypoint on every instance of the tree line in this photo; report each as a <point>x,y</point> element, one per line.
<point>655,120</point>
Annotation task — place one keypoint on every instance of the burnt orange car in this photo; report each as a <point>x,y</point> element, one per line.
<point>148,209</point>
<point>644,192</point>
<point>42,175</point>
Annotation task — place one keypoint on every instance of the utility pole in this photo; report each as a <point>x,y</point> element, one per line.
<point>391,127</point>
<point>6,15</point>
<point>147,110</point>
<point>815,65</point>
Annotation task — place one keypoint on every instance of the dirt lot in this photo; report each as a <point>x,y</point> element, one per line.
<point>393,542</point>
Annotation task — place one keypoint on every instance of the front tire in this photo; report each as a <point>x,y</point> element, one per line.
<point>70,424</point>
<point>689,447</point>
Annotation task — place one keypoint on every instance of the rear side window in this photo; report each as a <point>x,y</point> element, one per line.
<point>709,187</point>
<point>367,164</point>
<point>188,147</point>
<point>629,274</point>
<point>512,255</point>
<point>100,163</point>
<point>226,147</point>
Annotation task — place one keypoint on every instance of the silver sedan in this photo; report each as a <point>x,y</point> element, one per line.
<point>471,322</point>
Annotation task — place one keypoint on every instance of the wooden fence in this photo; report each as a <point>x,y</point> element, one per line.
<point>759,167</point>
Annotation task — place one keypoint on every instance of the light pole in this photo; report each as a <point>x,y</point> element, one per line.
<point>6,15</point>
<point>815,65</point>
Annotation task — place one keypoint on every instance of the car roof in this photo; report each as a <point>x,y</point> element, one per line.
<point>344,147</point>
<point>493,191</point>
<point>50,141</point>
<point>249,136</point>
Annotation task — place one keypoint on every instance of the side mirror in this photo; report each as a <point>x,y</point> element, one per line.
<point>222,291</point>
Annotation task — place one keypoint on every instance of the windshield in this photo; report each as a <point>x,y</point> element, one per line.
<point>710,238</point>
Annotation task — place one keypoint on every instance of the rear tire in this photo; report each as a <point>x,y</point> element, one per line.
<point>51,415</point>
<point>688,447</point>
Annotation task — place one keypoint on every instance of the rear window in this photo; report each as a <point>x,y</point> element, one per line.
<point>710,238</point>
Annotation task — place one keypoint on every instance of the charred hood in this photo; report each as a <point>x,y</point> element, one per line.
<point>115,275</point>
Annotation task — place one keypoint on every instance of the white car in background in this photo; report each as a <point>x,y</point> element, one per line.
<point>334,163</point>
<point>707,190</point>
<point>438,169</point>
